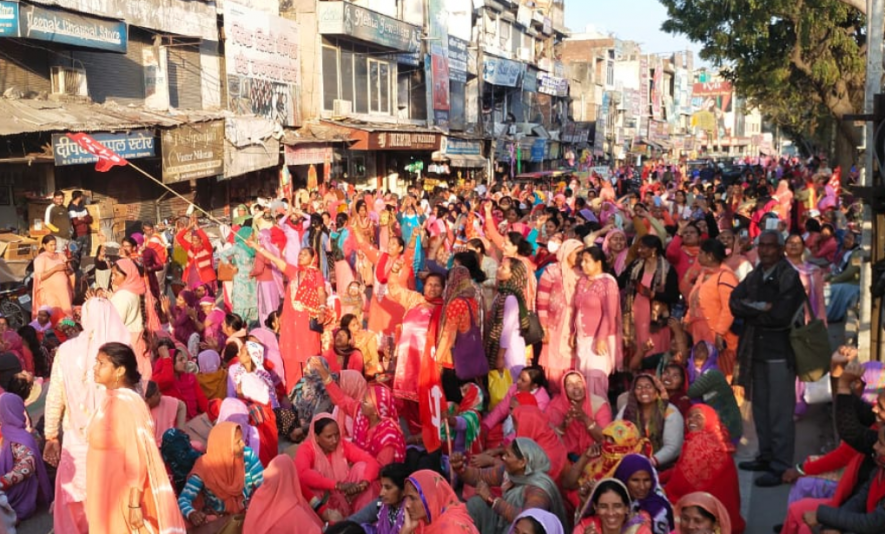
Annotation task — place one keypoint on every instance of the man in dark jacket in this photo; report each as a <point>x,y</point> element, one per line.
<point>768,300</point>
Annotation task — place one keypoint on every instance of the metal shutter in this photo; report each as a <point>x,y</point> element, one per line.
<point>185,83</point>
<point>116,77</point>
<point>25,67</point>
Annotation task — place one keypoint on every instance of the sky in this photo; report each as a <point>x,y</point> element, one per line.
<point>631,20</point>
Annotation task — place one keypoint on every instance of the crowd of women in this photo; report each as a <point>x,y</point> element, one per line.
<point>581,333</point>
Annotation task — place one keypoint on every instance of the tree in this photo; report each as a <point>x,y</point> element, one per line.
<point>796,60</point>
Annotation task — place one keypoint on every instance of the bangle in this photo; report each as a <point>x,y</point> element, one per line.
<point>800,470</point>
<point>135,507</point>
<point>327,380</point>
<point>494,502</point>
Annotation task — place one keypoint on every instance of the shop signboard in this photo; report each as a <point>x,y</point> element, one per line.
<point>461,147</point>
<point>438,90</point>
<point>530,80</point>
<point>344,18</point>
<point>308,154</point>
<point>539,150</point>
<point>133,145</point>
<point>643,86</point>
<point>458,57</point>
<point>503,72</point>
<point>8,19</point>
<point>193,151</point>
<point>418,141</point>
<point>58,26</point>
<point>552,85</point>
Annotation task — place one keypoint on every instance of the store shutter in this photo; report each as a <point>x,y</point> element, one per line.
<point>185,83</point>
<point>25,67</point>
<point>116,77</point>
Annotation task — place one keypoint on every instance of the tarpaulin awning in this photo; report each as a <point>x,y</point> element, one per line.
<point>468,162</point>
<point>30,116</point>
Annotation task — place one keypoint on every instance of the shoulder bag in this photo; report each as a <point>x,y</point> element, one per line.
<point>468,353</point>
<point>811,345</point>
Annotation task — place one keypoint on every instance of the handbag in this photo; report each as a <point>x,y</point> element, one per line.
<point>533,333</point>
<point>499,385</point>
<point>226,272</point>
<point>811,346</point>
<point>315,325</point>
<point>468,353</point>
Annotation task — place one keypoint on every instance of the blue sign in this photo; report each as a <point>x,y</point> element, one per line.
<point>8,19</point>
<point>72,29</point>
<point>539,150</point>
<point>461,147</point>
<point>135,144</point>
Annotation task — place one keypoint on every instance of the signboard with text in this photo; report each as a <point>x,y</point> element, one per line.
<point>193,151</point>
<point>8,19</point>
<point>458,58</point>
<point>404,141</point>
<point>344,18</point>
<point>461,147</point>
<point>308,154</point>
<point>135,144</point>
<point>503,72</point>
<point>58,26</point>
<point>551,85</point>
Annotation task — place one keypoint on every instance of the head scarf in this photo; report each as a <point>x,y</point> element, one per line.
<point>354,385</point>
<point>586,512</point>
<point>138,238</point>
<point>623,439</point>
<point>190,298</point>
<point>334,465</point>
<point>549,522</point>
<point>619,262</point>
<point>240,219</point>
<point>445,513</point>
<point>711,363</point>
<point>537,469</point>
<point>709,503</point>
<point>704,451</point>
<point>178,455</point>
<point>576,438</point>
<point>387,432</point>
<point>469,409</point>
<point>310,393</point>
<point>515,287</point>
<point>223,473</point>
<point>256,354</point>
<point>569,275</point>
<point>133,283</point>
<point>235,411</point>
<point>12,428</point>
<point>874,380</point>
<point>244,233</point>
<point>278,503</point>
<point>655,504</point>
<point>271,352</point>
<point>209,361</point>
<point>532,423</point>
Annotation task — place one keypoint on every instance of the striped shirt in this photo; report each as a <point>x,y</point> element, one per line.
<point>254,477</point>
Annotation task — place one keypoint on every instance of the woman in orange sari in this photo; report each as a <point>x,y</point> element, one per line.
<point>279,505</point>
<point>709,317</point>
<point>433,508</point>
<point>127,487</point>
<point>52,282</point>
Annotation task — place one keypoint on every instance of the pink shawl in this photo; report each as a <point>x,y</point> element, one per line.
<point>133,282</point>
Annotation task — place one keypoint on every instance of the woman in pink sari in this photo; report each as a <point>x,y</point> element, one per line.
<point>784,198</point>
<point>72,400</point>
<point>303,300</point>
<point>278,505</point>
<point>811,276</point>
<point>556,292</point>
<point>52,282</point>
<point>128,298</point>
<point>385,313</point>
<point>127,488</point>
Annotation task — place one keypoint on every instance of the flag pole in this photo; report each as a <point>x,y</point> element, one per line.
<point>451,451</point>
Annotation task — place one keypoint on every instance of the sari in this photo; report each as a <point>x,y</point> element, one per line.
<point>222,473</point>
<point>445,513</point>
<point>706,466</point>
<point>556,292</point>
<point>212,377</point>
<point>655,504</point>
<point>123,455</point>
<point>72,400</point>
<point>469,410</point>
<point>127,298</point>
<point>387,433</point>
<point>532,423</point>
<point>710,504</point>
<point>588,522</point>
<point>278,505</point>
<point>36,489</point>
<point>309,397</point>
<point>354,385</point>
<point>624,439</point>
<point>235,411</point>
<point>301,303</point>
<point>53,290</point>
<point>576,437</point>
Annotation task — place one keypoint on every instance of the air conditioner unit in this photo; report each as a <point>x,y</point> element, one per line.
<point>68,81</point>
<point>525,54</point>
<point>341,108</point>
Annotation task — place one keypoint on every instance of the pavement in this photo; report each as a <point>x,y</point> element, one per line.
<point>763,508</point>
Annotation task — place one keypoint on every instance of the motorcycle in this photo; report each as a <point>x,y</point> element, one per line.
<point>15,302</point>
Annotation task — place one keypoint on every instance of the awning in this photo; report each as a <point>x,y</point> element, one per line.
<point>468,162</point>
<point>29,116</point>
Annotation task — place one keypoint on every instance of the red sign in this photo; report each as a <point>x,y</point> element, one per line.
<point>404,141</point>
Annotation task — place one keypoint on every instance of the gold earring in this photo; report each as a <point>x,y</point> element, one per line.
<point>117,382</point>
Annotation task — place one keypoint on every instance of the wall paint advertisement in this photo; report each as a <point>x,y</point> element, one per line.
<point>193,151</point>
<point>262,63</point>
<point>136,144</point>
<point>503,72</point>
<point>70,28</point>
<point>8,19</point>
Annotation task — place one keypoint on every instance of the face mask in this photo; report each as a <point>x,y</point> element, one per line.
<point>553,246</point>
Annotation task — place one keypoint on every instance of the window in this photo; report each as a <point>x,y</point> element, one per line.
<point>379,86</point>
<point>347,75</point>
<point>330,77</point>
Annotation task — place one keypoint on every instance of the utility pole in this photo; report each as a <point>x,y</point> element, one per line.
<point>875,38</point>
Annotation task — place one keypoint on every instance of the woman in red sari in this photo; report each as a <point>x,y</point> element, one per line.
<point>304,300</point>
<point>433,508</point>
<point>376,427</point>
<point>705,465</point>
<point>578,415</point>
<point>386,313</point>
<point>530,422</point>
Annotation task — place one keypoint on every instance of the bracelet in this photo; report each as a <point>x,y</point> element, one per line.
<point>327,380</point>
<point>495,501</point>
<point>800,470</point>
<point>135,507</point>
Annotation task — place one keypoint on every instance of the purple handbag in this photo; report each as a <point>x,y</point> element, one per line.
<point>468,352</point>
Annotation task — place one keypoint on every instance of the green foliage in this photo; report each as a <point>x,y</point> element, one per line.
<point>800,62</point>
